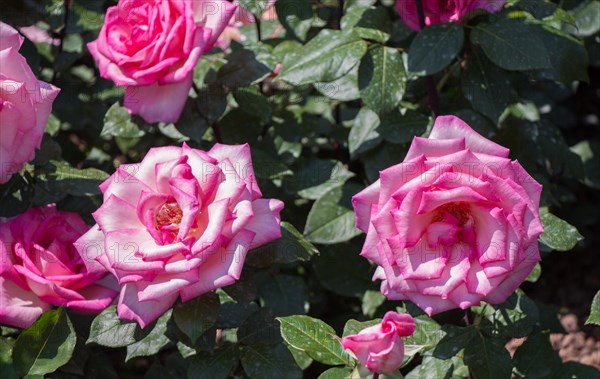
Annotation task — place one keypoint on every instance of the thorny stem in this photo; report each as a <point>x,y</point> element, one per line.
<point>214,125</point>
<point>431,89</point>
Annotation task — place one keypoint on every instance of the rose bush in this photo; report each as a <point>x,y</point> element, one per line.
<point>41,267</point>
<point>441,11</point>
<point>151,48</point>
<point>380,347</point>
<point>178,224</point>
<point>457,222</point>
<point>25,104</point>
<point>333,100</point>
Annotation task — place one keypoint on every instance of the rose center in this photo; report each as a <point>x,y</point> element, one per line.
<point>455,213</point>
<point>168,214</point>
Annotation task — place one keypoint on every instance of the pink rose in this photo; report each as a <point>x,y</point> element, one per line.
<point>38,35</point>
<point>439,12</point>
<point>41,268</point>
<point>380,348</point>
<point>455,223</point>
<point>25,104</point>
<point>179,223</point>
<point>151,47</point>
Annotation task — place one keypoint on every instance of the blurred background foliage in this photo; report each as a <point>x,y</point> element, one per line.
<point>351,95</point>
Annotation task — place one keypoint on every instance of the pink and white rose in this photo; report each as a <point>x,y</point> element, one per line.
<point>380,347</point>
<point>442,11</point>
<point>457,222</point>
<point>151,47</point>
<point>25,105</point>
<point>40,267</point>
<point>180,223</point>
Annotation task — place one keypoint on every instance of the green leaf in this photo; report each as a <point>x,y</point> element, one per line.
<point>514,318</point>
<point>315,177</point>
<point>558,234</point>
<point>336,373</point>
<point>284,294</point>
<point>331,218</point>
<point>353,326</point>
<point>7,369</point>
<point>536,359</point>
<point>153,342</point>
<point>291,247</point>
<point>587,19</point>
<point>595,311</point>
<point>396,127</point>
<point>589,152</point>
<point>574,370</point>
<point>382,79</point>
<point>314,337</point>
<point>371,23</point>
<point>512,45</point>
<point>363,135</point>
<point>196,316</point>
<point>269,362</point>
<point>455,339</point>
<point>486,86</point>
<point>428,333</point>
<point>487,358</point>
<point>302,359</point>
<point>117,123</point>
<point>46,345</point>
<point>251,101</point>
<point>568,57</point>
<point>295,16</point>
<point>343,271</point>
<point>435,47</point>
<point>216,365</point>
<point>432,367</point>
<point>108,330</point>
<point>534,275</point>
<point>371,301</point>
<point>268,167</point>
<point>255,7</point>
<point>260,328</point>
<point>344,88</point>
<point>326,57</point>
<point>242,69</point>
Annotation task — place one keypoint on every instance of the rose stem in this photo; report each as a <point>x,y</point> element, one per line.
<point>468,320</point>
<point>375,375</point>
<point>433,95</point>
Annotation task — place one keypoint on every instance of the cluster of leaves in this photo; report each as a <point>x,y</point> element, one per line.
<point>351,95</point>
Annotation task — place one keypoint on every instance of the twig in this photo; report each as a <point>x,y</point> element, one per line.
<point>469,321</point>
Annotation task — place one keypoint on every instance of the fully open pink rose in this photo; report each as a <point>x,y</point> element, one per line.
<point>41,268</point>
<point>455,223</point>
<point>442,11</point>
<point>151,47</point>
<point>25,104</point>
<point>179,223</point>
<point>380,347</point>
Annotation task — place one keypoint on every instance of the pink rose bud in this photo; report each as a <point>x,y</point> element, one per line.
<point>457,222</point>
<point>380,347</point>
<point>442,11</point>
<point>25,105</point>
<point>41,268</point>
<point>180,223</point>
<point>151,48</point>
